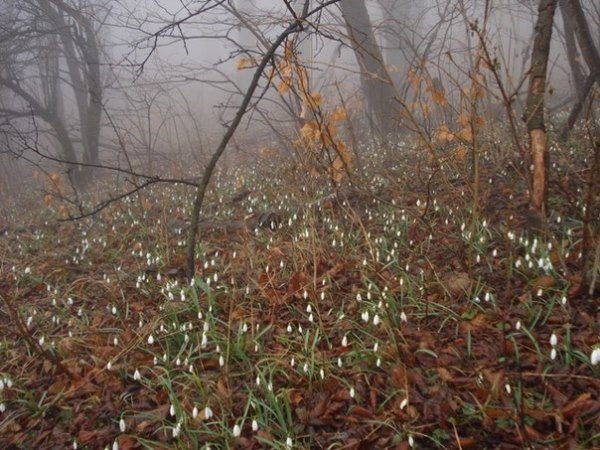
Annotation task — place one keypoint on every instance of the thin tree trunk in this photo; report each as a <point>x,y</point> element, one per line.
<point>534,113</point>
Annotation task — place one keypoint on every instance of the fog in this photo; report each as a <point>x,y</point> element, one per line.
<point>173,76</point>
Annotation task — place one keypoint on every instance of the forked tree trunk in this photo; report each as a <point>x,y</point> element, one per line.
<point>534,112</point>
<point>590,53</point>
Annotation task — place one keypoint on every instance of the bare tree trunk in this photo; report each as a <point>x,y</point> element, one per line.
<point>571,47</point>
<point>84,71</point>
<point>573,9</point>
<point>534,112</point>
<point>377,85</point>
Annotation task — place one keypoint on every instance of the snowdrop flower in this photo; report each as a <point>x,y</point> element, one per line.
<point>403,317</point>
<point>150,340</point>
<point>508,388</point>
<point>403,403</point>
<point>553,354</point>
<point>352,392</point>
<point>376,320</point>
<point>365,316</point>
<point>208,413</point>
<point>289,443</point>
<point>177,430</point>
<point>345,341</point>
<point>254,425</point>
<point>195,412</point>
<point>595,356</point>
<point>411,441</point>
<point>553,340</point>
<point>122,425</point>
<point>518,325</point>
<point>115,446</point>
<point>137,376</point>
<point>2,408</point>
<point>237,430</point>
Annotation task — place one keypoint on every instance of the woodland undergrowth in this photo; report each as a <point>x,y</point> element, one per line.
<point>373,314</point>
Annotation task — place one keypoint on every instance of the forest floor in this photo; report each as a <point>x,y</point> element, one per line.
<point>389,316</point>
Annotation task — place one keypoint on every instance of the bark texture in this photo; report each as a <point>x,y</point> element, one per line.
<point>534,113</point>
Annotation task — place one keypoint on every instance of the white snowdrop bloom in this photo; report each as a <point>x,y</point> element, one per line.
<point>563,300</point>
<point>137,376</point>
<point>403,317</point>
<point>221,361</point>
<point>172,410</point>
<point>237,430</point>
<point>27,270</point>
<point>308,308</point>
<point>8,382</point>
<point>518,325</point>
<point>376,346</point>
<point>323,295</point>
<point>411,441</point>
<point>322,374</point>
<point>122,425</point>
<point>115,446</point>
<point>378,362</point>
<point>540,292</point>
<point>1,385</point>
<point>115,341</point>
<point>177,430</point>
<point>352,392</point>
<point>339,362</point>
<point>289,328</point>
<point>508,388</point>
<point>305,294</point>
<point>293,361</point>
<point>345,341</point>
<point>311,318</point>
<point>595,356</point>
<point>289,443</point>
<point>365,316</point>
<point>195,412</point>
<point>553,354</point>
<point>305,367</point>
<point>208,413</point>
<point>2,408</point>
<point>75,446</point>
<point>109,365</point>
<point>553,340</point>
<point>114,310</point>
<point>41,340</point>
<point>376,320</point>
<point>150,339</point>
<point>358,297</point>
<point>29,321</point>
